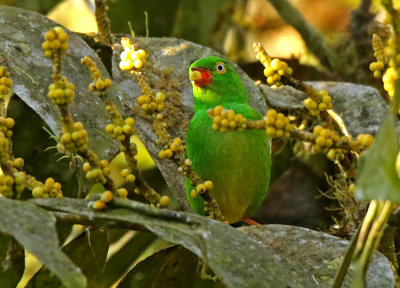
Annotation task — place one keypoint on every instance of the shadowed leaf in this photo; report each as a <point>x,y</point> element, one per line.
<point>34,228</point>
<point>378,178</point>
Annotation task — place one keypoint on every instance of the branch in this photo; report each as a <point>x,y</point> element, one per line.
<point>70,218</point>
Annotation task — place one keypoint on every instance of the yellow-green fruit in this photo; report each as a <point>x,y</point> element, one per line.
<point>107,196</point>
<point>37,192</point>
<point>165,201</point>
<point>99,205</point>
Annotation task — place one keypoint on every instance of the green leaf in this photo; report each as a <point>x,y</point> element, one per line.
<point>12,259</point>
<point>378,178</point>
<point>34,228</point>
<point>267,256</point>
<point>122,261</point>
<point>22,34</point>
<point>88,251</point>
<point>171,267</point>
<point>236,259</point>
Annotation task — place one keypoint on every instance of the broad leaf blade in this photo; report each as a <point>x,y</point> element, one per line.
<point>88,251</point>
<point>378,178</point>
<point>35,229</point>
<point>237,259</point>
<point>22,35</point>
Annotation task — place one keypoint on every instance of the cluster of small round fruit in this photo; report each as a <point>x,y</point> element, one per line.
<point>50,189</point>
<point>324,139</point>
<point>4,148</point>
<point>75,138</point>
<point>201,188</point>
<point>55,42</point>
<point>97,174</point>
<point>364,141</point>
<point>5,82</point>
<point>277,124</point>
<point>6,124</point>
<point>274,70</point>
<point>99,83</point>
<point>174,147</point>
<point>128,175</point>
<point>317,101</point>
<point>61,92</point>
<point>225,120</point>
<point>121,132</point>
<point>9,184</point>
<point>150,103</point>
<point>131,58</point>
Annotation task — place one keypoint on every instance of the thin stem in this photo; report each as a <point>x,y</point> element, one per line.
<point>344,267</point>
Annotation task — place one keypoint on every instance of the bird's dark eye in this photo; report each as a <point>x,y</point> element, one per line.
<point>220,68</point>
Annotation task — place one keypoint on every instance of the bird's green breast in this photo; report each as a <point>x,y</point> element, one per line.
<point>238,163</point>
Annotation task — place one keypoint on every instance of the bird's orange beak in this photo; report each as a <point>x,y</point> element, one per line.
<point>200,76</point>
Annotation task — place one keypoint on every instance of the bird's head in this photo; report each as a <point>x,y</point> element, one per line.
<point>216,82</point>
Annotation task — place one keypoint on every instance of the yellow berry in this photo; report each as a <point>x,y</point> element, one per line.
<point>86,166</point>
<point>201,188</point>
<point>165,201</point>
<point>37,192</point>
<point>18,163</point>
<point>131,178</point>
<point>194,193</point>
<point>123,193</point>
<point>107,196</point>
<point>99,205</point>
<point>209,185</point>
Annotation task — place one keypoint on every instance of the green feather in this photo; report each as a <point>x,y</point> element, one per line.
<point>238,163</point>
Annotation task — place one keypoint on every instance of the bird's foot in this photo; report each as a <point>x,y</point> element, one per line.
<point>250,222</point>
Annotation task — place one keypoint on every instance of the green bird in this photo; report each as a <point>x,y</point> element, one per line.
<point>238,163</point>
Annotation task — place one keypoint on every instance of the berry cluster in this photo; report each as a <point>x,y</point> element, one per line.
<point>274,70</point>
<point>150,103</point>
<point>335,154</point>
<point>121,132</point>
<point>226,120</point>
<point>364,141</point>
<point>4,148</point>
<point>50,189</point>
<point>131,58</point>
<point>18,163</point>
<point>75,138</point>
<point>122,193</point>
<point>277,124</point>
<point>5,82</point>
<point>97,174</point>
<point>106,197</point>
<point>176,146</point>
<point>99,83</point>
<point>202,188</point>
<point>6,185</point>
<point>127,175</point>
<point>6,124</point>
<point>317,101</point>
<point>324,139</point>
<point>61,92</point>
<point>379,54</point>
<point>19,182</point>
<point>55,42</point>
